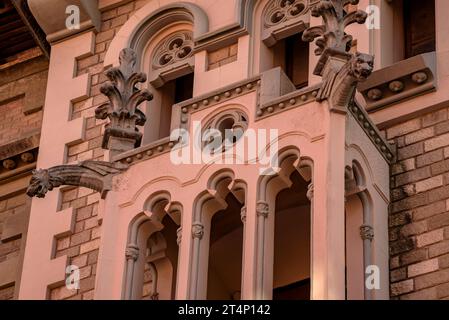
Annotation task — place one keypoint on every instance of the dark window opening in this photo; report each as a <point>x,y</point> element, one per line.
<point>184,88</point>
<point>296,291</point>
<point>419,27</point>
<point>292,255</point>
<point>224,276</point>
<point>172,92</point>
<point>292,55</point>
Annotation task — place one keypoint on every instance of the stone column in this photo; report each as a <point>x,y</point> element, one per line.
<point>262,210</point>
<point>132,254</point>
<point>197,235</point>
<point>367,235</point>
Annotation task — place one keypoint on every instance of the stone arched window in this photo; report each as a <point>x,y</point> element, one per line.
<point>359,232</point>
<point>169,61</point>
<point>224,130</point>
<point>144,32</point>
<point>278,25</point>
<point>284,216</point>
<point>152,250</point>
<point>218,231</point>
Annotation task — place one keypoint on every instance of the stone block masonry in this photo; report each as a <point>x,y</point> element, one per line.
<point>419,215</point>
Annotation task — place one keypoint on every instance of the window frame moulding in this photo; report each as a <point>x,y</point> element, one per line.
<point>289,25</point>
<point>177,67</point>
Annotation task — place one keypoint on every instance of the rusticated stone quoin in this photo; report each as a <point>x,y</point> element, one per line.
<point>121,132</point>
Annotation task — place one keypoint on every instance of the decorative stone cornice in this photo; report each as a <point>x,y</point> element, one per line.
<point>401,81</point>
<point>132,252</point>
<point>95,175</point>
<point>215,97</point>
<point>197,230</point>
<point>288,101</point>
<point>121,132</point>
<point>18,157</point>
<point>146,152</point>
<point>367,232</point>
<point>20,146</point>
<point>363,119</point>
<point>262,209</point>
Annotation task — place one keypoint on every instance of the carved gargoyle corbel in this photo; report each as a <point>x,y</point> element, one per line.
<point>341,70</point>
<point>95,175</point>
<point>121,133</point>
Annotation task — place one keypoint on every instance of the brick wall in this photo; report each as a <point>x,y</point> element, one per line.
<point>222,56</point>
<point>22,95</point>
<point>419,215</point>
<point>14,124</point>
<point>10,248</point>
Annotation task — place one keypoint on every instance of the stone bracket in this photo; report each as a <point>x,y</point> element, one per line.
<point>95,175</point>
<point>401,81</point>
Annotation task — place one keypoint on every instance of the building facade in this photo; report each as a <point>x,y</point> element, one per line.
<point>239,149</point>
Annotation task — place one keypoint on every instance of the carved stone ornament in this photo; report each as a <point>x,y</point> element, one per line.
<point>309,193</point>
<point>154,296</point>
<point>132,252</point>
<point>121,132</point>
<point>179,236</point>
<point>95,175</point>
<point>243,213</point>
<point>367,232</point>
<point>224,130</point>
<point>279,11</point>
<point>262,209</point>
<point>176,47</point>
<point>341,70</point>
<point>198,230</point>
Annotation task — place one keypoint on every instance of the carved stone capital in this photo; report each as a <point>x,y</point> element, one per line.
<point>309,193</point>
<point>243,214</point>
<point>179,236</point>
<point>262,209</point>
<point>367,232</point>
<point>132,252</point>
<point>198,230</point>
